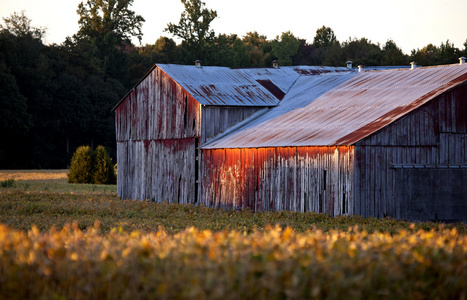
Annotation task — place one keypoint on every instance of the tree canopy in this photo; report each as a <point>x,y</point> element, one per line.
<point>109,19</point>
<point>285,48</point>
<point>19,24</point>
<point>55,98</point>
<point>324,38</point>
<point>194,28</point>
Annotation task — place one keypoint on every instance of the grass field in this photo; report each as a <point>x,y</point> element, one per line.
<point>72,241</point>
<point>45,199</point>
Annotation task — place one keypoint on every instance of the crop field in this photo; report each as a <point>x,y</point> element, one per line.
<point>72,241</point>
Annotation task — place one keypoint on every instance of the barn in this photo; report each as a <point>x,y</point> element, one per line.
<point>332,140</point>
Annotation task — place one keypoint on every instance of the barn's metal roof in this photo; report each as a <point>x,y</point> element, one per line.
<point>239,87</point>
<point>223,86</point>
<point>341,109</point>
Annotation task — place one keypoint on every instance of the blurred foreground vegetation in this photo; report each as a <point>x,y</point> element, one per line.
<point>80,241</point>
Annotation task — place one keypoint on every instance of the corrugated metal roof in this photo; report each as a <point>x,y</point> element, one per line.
<point>225,86</point>
<point>341,109</point>
<point>220,86</point>
<point>239,87</point>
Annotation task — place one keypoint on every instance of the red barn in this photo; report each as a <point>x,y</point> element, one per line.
<point>376,143</point>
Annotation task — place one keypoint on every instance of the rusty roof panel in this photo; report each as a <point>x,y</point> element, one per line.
<point>272,88</point>
<point>341,109</point>
<point>239,87</point>
<point>220,86</point>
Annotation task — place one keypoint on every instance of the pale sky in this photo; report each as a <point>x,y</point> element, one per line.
<point>411,24</point>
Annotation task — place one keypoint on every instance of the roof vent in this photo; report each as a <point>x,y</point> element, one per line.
<point>198,63</point>
<point>462,60</point>
<point>349,64</point>
<point>361,68</point>
<point>275,64</point>
<point>413,65</point>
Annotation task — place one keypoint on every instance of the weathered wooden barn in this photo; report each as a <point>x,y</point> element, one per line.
<point>379,143</point>
<point>164,119</point>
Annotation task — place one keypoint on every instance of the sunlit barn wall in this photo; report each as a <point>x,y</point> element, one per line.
<point>284,178</point>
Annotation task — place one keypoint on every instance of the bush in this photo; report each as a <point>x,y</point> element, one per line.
<point>7,183</point>
<point>91,166</point>
<point>103,170</point>
<point>81,166</point>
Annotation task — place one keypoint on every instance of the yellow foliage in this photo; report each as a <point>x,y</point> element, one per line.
<point>266,264</point>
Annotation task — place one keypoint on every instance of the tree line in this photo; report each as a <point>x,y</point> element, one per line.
<point>57,97</point>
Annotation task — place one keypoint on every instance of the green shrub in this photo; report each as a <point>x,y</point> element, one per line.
<point>91,166</point>
<point>103,170</point>
<point>7,183</point>
<point>81,166</point>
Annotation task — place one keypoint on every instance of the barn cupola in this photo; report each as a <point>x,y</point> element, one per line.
<point>461,60</point>
<point>198,63</point>
<point>275,64</point>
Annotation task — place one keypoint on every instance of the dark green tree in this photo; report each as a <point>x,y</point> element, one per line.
<point>328,48</point>
<point>258,48</point>
<point>110,25</point>
<point>448,54</point>
<point>19,25</point>
<point>324,38</point>
<point>392,55</point>
<point>427,56</point>
<point>333,56</point>
<point>228,50</point>
<point>431,55</point>
<point>307,54</point>
<point>194,28</point>
<point>164,50</point>
<point>109,20</point>
<point>361,52</point>
<point>29,61</point>
<point>15,121</point>
<point>285,47</point>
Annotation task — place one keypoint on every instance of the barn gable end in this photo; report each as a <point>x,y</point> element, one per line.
<point>158,124</point>
<point>416,168</point>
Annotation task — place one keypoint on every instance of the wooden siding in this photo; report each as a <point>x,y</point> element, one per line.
<point>160,170</point>
<point>158,108</point>
<point>432,194</point>
<point>157,127</point>
<point>217,119</point>
<point>434,135</point>
<point>288,178</point>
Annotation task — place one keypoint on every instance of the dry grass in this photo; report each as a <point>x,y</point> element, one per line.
<point>33,174</point>
<point>54,202</point>
<point>51,181</point>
